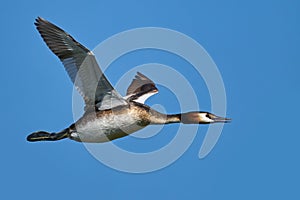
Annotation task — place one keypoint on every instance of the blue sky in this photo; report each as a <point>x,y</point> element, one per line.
<point>254,45</point>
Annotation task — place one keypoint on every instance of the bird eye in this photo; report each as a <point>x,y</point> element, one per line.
<point>207,115</point>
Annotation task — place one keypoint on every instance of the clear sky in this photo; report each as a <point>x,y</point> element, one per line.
<point>253,43</point>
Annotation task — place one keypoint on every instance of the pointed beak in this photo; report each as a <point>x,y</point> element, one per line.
<point>221,119</point>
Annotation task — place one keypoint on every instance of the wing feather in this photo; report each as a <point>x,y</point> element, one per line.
<point>81,66</point>
<point>140,89</point>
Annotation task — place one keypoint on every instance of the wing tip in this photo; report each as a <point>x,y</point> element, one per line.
<point>39,20</point>
<point>141,76</point>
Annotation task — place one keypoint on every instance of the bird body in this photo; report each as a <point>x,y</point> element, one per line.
<point>108,115</point>
<point>106,125</point>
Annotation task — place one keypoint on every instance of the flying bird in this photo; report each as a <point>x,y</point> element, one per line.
<point>107,115</point>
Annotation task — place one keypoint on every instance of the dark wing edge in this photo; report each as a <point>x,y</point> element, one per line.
<point>141,88</point>
<point>138,84</point>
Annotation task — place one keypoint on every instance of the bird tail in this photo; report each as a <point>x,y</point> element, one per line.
<point>45,136</point>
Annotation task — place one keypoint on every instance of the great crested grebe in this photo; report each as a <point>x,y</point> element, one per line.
<point>108,115</point>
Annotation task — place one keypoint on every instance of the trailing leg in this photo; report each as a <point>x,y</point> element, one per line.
<point>45,136</point>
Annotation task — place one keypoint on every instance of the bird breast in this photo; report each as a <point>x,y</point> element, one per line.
<point>107,126</point>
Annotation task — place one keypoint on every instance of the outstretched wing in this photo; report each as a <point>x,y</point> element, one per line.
<point>141,88</point>
<point>82,67</point>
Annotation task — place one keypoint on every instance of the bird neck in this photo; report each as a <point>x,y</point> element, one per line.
<point>164,119</point>
<point>185,118</point>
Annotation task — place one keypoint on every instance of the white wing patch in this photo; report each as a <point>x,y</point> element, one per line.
<point>144,97</point>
